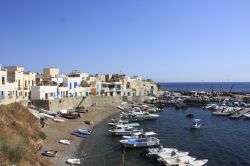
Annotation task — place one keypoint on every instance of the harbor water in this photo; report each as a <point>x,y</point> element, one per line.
<point>223,141</point>
<point>208,86</point>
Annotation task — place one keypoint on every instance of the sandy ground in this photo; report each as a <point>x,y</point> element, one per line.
<point>56,131</point>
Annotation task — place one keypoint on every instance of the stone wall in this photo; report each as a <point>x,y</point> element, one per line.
<point>71,102</point>
<point>6,101</point>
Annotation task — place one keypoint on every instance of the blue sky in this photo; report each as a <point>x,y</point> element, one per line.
<point>167,40</point>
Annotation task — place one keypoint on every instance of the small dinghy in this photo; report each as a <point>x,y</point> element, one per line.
<point>81,133</point>
<point>50,153</point>
<point>58,120</point>
<point>64,142</point>
<point>190,115</point>
<point>196,124</point>
<point>73,161</point>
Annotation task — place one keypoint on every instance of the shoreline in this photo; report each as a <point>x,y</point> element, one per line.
<point>56,131</point>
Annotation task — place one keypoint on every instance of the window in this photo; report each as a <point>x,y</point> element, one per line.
<point>75,84</point>
<point>3,81</point>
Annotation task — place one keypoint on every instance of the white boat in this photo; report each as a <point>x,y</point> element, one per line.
<point>124,124</point>
<point>58,120</point>
<point>46,115</point>
<point>140,142</point>
<point>163,155</point>
<point>73,161</point>
<point>196,124</point>
<point>195,163</point>
<point>140,135</point>
<point>247,116</point>
<point>176,161</point>
<point>47,112</point>
<point>120,108</point>
<point>154,151</point>
<point>64,141</point>
<point>123,131</point>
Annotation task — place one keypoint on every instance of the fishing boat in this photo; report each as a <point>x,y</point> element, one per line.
<point>47,112</point>
<point>87,132</point>
<point>83,111</point>
<point>176,161</point>
<point>70,115</point>
<point>196,124</point>
<point>126,125</point>
<point>59,120</point>
<point>50,153</point>
<point>140,135</point>
<point>152,152</point>
<point>64,142</point>
<point>195,163</point>
<point>73,161</point>
<point>140,142</point>
<point>163,155</point>
<point>81,133</point>
<point>124,131</point>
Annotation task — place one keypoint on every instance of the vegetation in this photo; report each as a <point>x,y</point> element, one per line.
<point>20,137</point>
<point>42,135</point>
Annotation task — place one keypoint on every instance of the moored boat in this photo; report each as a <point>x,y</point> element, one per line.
<point>64,141</point>
<point>50,153</point>
<point>140,142</point>
<point>73,161</point>
<point>196,124</point>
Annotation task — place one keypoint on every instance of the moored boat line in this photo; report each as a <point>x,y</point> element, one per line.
<point>138,138</point>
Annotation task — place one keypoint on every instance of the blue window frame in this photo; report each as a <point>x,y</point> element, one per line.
<point>75,84</point>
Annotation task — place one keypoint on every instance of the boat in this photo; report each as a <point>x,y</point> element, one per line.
<point>83,111</point>
<point>190,115</point>
<point>140,142</point>
<point>196,124</point>
<point>81,133</point>
<point>123,131</point>
<point>73,161</point>
<point>195,163</point>
<point>148,116</point>
<point>120,108</point>
<point>64,141</point>
<point>152,152</point>
<point>140,135</point>
<point>58,120</point>
<point>47,112</point>
<point>176,161</point>
<point>87,132</point>
<point>246,116</point>
<point>46,115</point>
<point>163,155</point>
<point>124,125</point>
<point>50,153</point>
<point>70,115</point>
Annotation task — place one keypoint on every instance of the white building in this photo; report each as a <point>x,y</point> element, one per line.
<point>108,88</point>
<point>44,92</point>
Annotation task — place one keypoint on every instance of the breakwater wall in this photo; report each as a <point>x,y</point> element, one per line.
<point>72,102</point>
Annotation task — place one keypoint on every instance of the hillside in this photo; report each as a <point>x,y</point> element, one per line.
<point>19,137</point>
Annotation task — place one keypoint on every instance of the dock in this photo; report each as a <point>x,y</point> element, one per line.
<point>241,113</point>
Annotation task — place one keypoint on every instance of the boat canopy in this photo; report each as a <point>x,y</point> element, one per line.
<point>197,120</point>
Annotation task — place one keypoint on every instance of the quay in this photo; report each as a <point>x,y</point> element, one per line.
<point>240,113</point>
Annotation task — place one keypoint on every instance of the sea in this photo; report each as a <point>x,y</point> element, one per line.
<point>207,86</point>
<point>223,141</point>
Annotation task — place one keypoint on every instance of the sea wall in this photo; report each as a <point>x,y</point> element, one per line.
<point>69,103</point>
<point>6,101</point>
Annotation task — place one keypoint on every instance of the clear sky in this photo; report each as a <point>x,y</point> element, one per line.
<point>166,40</point>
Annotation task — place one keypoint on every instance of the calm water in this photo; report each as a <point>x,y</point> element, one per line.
<point>223,141</point>
<point>216,86</point>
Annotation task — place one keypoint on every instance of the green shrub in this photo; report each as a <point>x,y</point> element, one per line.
<point>14,153</point>
<point>42,135</point>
